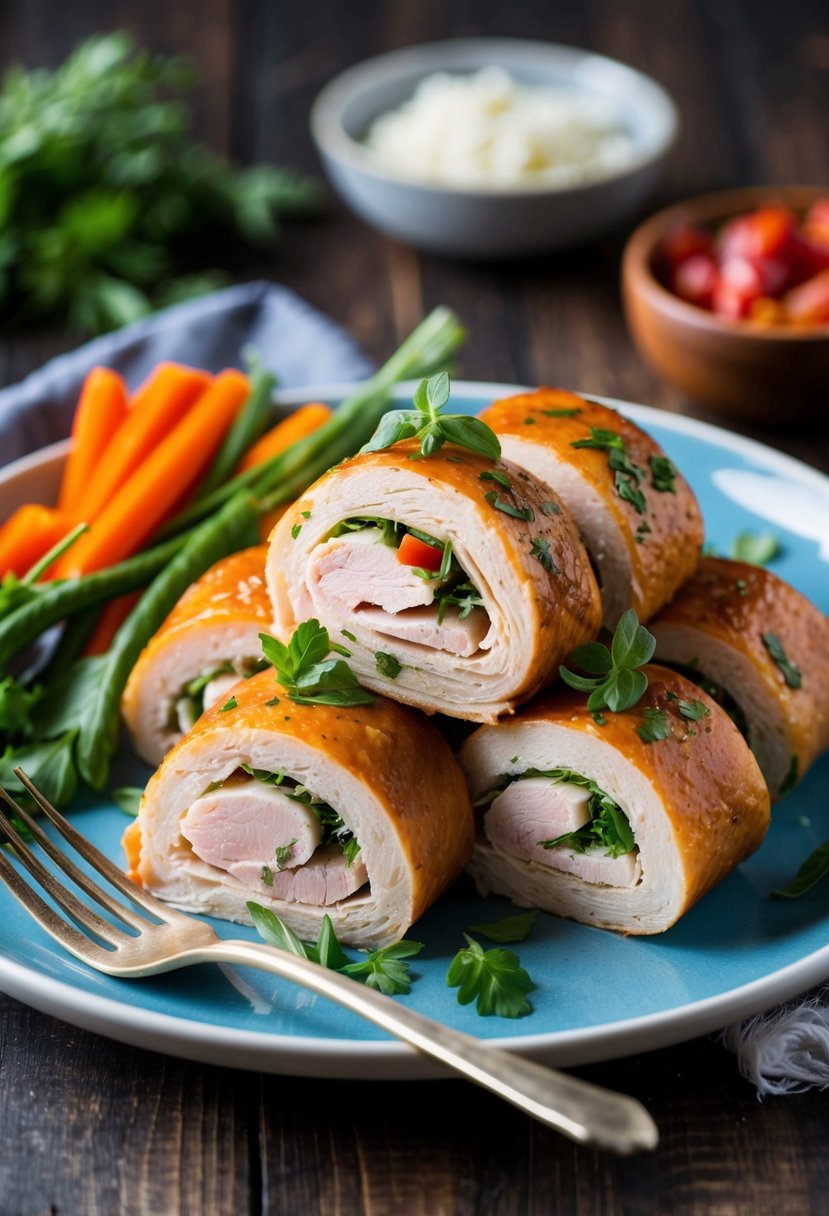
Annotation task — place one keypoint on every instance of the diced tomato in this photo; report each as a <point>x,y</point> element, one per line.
<point>808,303</point>
<point>764,233</point>
<point>695,279</point>
<point>684,241</point>
<point>739,285</point>
<point>414,552</point>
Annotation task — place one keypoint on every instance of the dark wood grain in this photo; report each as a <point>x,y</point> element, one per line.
<point>91,1126</point>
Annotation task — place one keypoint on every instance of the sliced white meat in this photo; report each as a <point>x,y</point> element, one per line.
<point>326,879</point>
<point>239,826</point>
<point>420,627</point>
<point>358,568</point>
<point>535,809</point>
<point>218,690</point>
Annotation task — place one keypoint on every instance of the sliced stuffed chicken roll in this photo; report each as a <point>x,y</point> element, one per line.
<point>208,641</point>
<point>359,812</point>
<point>637,515</point>
<point>458,585</point>
<point>761,649</point>
<point>622,823</point>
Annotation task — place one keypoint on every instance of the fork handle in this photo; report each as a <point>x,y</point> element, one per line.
<point>585,1113</point>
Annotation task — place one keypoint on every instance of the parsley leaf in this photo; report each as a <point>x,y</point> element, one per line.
<point>305,672</point>
<point>562,413</point>
<point>663,474</point>
<point>501,504</point>
<point>509,928</point>
<point>626,474</point>
<point>654,726</point>
<point>387,665</point>
<point>756,548</point>
<point>815,867</point>
<point>283,853</point>
<point>433,428</point>
<point>540,550</point>
<point>231,703</point>
<point>494,979</point>
<point>614,682</point>
<point>386,969</point>
<point>791,674</point>
<point>694,710</point>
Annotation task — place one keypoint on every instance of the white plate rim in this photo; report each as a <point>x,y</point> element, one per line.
<point>393,1060</point>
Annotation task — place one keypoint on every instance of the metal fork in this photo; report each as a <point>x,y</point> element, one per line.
<point>585,1113</point>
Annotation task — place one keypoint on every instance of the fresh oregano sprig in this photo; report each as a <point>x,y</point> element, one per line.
<point>433,428</point>
<point>307,674</point>
<point>614,681</point>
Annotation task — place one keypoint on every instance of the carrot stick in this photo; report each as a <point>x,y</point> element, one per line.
<point>157,406</point>
<point>109,622</point>
<point>101,409</point>
<point>29,534</point>
<point>145,499</point>
<point>302,422</point>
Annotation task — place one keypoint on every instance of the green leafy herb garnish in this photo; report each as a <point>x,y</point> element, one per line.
<point>509,508</point>
<point>128,799</point>
<point>385,969</point>
<point>562,413</point>
<point>387,665</point>
<point>540,550</point>
<point>267,875</point>
<point>815,867</point>
<point>431,427</point>
<point>626,474</point>
<point>791,674</point>
<point>663,474</point>
<point>494,979</point>
<point>614,682</point>
<point>550,508</point>
<point>229,704</point>
<point>283,853</point>
<point>694,710</point>
<point>654,726</point>
<point>757,548</point>
<point>295,531</point>
<point>496,475</point>
<point>346,634</point>
<point>306,673</point>
<point>509,928</point>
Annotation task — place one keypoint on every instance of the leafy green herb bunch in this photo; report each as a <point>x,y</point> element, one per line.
<point>108,205</point>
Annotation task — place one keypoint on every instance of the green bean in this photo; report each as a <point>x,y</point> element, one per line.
<point>54,602</point>
<point>248,425</point>
<point>234,527</point>
<point>429,346</point>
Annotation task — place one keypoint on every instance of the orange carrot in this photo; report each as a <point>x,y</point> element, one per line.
<point>146,498</point>
<point>109,622</point>
<point>29,534</point>
<point>157,407</point>
<point>101,409</point>
<point>304,421</point>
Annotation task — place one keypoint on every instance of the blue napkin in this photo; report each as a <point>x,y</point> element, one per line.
<point>297,343</point>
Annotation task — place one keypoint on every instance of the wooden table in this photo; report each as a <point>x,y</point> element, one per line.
<point>90,1126</point>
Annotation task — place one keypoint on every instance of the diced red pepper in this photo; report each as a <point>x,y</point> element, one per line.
<point>414,552</point>
<point>684,241</point>
<point>764,233</point>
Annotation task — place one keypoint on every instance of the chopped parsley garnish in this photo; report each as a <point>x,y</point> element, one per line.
<point>387,665</point>
<point>663,474</point>
<point>509,508</point>
<point>306,673</point>
<point>654,726</point>
<point>694,710</point>
<point>791,673</point>
<point>508,929</point>
<point>614,682</point>
<point>347,634</point>
<point>642,530</point>
<point>272,701</point>
<point>333,828</point>
<point>562,413</point>
<point>540,550</point>
<point>267,875</point>
<point>431,427</point>
<point>815,867</point>
<point>229,704</point>
<point>626,474</point>
<point>529,421</point>
<point>496,475</point>
<point>295,531</point>
<point>550,508</point>
<point>283,854</point>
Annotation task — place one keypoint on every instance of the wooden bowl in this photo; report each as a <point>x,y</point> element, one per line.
<point>773,375</point>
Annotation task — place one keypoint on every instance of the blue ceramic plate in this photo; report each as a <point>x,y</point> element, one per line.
<point>599,995</point>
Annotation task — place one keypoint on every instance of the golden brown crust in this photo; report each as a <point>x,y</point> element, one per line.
<point>560,594</point>
<point>664,556</point>
<point>703,772</point>
<point>398,754</point>
<point>232,590</point>
<point>736,604</point>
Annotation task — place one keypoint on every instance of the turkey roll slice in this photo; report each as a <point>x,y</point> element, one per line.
<point>761,649</point>
<point>361,813</point>
<point>622,825</point>
<point>458,585</point>
<point>637,515</point>
<point>208,641</point>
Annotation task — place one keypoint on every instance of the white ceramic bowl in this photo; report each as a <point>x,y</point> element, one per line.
<point>491,222</point>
